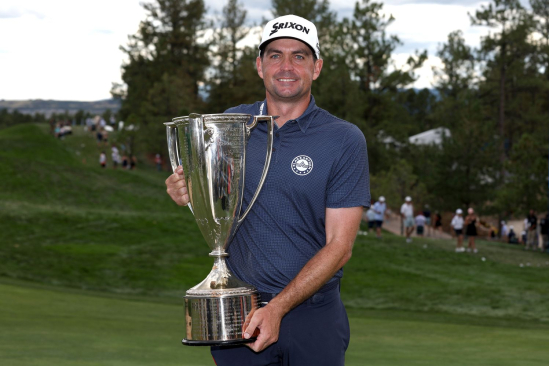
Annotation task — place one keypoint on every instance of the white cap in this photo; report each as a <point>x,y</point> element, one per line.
<point>381,199</point>
<point>459,211</point>
<point>408,199</point>
<point>292,26</point>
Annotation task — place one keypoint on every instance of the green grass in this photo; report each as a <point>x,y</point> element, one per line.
<point>45,326</point>
<point>121,254</point>
<point>428,275</point>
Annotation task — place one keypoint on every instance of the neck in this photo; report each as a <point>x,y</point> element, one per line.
<point>287,110</point>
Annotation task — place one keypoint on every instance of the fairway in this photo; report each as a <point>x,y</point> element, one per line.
<point>40,326</point>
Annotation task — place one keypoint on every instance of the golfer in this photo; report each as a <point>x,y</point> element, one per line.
<point>300,232</point>
<point>407,213</point>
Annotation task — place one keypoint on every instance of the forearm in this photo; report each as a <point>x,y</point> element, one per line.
<point>341,229</point>
<point>319,270</point>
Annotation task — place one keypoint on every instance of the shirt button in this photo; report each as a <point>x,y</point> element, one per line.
<point>277,134</point>
<point>274,149</point>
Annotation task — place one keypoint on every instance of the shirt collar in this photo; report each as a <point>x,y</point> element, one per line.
<point>304,120</point>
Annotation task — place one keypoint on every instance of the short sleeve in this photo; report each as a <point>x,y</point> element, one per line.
<point>349,184</point>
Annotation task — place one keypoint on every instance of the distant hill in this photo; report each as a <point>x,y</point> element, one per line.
<point>48,107</point>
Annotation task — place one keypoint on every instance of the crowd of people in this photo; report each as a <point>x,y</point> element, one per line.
<point>60,129</point>
<point>464,228</point>
<point>118,156</point>
<point>117,159</point>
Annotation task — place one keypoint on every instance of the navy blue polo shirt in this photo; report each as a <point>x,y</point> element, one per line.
<point>318,162</point>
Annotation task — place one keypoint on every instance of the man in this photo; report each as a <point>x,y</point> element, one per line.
<point>379,210</point>
<point>504,230</point>
<point>457,225</point>
<point>299,234</point>
<point>420,224</point>
<point>544,230</point>
<point>369,216</point>
<point>407,213</point>
<point>531,231</point>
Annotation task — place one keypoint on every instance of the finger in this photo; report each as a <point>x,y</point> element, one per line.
<point>260,344</point>
<point>183,196</point>
<point>178,192</point>
<point>253,325</point>
<point>174,178</point>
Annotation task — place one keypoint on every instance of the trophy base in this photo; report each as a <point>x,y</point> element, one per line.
<point>218,343</point>
<point>218,318</point>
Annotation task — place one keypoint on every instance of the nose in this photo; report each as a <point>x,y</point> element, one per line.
<point>287,63</point>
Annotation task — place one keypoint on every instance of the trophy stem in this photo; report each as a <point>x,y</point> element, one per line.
<point>220,279</point>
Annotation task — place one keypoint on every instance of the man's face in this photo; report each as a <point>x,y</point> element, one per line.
<point>288,69</point>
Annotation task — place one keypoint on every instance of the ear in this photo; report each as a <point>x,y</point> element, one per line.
<point>317,68</point>
<point>259,67</point>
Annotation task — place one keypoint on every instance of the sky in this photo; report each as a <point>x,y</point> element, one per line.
<point>69,50</point>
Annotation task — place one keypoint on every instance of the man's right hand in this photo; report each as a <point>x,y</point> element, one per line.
<point>177,188</point>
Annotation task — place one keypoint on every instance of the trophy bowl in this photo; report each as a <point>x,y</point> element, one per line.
<point>212,150</point>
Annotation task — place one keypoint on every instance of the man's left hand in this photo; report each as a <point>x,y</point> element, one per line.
<point>267,321</point>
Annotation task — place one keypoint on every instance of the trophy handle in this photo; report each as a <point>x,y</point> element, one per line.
<point>270,132</point>
<point>172,134</point>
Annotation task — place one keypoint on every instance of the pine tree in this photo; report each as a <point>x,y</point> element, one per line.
<point>234,79</point>
<point>166,64</point>
<point>503,54</point>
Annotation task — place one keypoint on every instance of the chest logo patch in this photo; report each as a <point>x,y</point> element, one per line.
<point>302,165</point>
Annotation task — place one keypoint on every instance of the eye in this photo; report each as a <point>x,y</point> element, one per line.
<point>275,56</point>
<point>299,57</point>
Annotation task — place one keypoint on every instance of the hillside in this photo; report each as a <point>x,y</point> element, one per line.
<point>66,222</point>
<point>48,107</point>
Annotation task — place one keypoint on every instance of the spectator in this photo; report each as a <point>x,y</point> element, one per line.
<point>99,137</point>
<point>504,231</point>
<point>407,213</point>
<point>471,230</point>
<point>158,162</point>
<point>105,137</point>
<point>115,155</point>
<point>428,223</point>
<point>531,231</point>
<point>103,159</point>
<point>57,130</point>
<point>544,229</point>
<point>512,236</point>
<point>370,217</point>
<point>379,211</point>
<point>420,224</point>
<point>457,225</point>
<point>125,164</point>
<point>438,223</point>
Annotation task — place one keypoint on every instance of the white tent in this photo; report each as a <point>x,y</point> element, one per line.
<point>430,137</point>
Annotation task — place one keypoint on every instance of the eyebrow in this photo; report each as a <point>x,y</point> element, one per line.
<point>303,50</point>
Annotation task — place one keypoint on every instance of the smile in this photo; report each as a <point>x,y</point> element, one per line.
<point>285,80</point>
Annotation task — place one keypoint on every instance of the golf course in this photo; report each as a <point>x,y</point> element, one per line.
<point>94,264</point>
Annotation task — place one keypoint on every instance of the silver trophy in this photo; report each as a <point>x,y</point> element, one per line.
<point>212,150</point>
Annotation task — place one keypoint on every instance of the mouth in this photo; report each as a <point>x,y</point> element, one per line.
<point>286,80</point>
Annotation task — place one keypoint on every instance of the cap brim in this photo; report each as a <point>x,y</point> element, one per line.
<point>264,44</point>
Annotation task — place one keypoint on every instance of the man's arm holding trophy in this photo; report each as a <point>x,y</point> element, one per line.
<point>341,227</point>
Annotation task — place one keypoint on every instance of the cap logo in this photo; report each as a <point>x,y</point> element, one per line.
<point>287,25</point>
